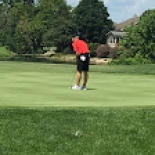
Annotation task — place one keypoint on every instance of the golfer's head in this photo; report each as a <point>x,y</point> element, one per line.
<point>74,37</point>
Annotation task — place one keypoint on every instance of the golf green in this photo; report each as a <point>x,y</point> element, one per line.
<point>47,85</point>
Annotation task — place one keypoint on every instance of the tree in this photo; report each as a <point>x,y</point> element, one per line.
<point>140,38</point>
<point>3,22</point>
<point>91,17</point>
<point>59,34</point>
<point>11,3</point>
<point>18,31</point>
<point>58,24</point>
<point>29,28</point>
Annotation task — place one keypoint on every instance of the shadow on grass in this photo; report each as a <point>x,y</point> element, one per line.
<point>91,89</point>
<point>88,89</point>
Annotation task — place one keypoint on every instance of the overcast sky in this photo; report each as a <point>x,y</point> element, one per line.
<point>121,10</point>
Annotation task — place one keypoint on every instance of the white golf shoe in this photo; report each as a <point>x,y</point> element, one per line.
<point>83,88</point>
<point>76,87</point>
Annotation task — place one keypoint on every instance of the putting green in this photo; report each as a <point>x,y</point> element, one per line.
<point>47,85</point>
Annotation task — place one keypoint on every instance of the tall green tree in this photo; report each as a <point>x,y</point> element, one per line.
<point>59,34</point>
<point>18,31</point>
<point>140,38</point>
<point>11,3</point>
<point>48,24</point>
<point>56,17</point>
<point>92,19</point>
<point>3,23</point>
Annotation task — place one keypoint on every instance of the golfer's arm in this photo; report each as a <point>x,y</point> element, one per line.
<point>75,48</point>
<point>76,53</point>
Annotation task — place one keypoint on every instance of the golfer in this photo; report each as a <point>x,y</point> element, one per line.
<point>83,58</point>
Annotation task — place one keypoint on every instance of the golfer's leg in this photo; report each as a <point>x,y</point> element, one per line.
<point>78,78</point>
<point>85,78</point>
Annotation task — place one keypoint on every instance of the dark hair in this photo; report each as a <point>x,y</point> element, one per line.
<point>78,34</point>
<point>74,35</point>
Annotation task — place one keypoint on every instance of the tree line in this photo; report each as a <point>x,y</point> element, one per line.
<point>27,27</point>
<point>139,42</point>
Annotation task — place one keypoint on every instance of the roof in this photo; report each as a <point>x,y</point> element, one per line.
<point>127,23</point>
<point>117,33</point>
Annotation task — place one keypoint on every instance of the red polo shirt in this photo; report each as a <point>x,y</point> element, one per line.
<point>80,47</point>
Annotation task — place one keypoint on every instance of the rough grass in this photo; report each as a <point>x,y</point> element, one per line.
<point>39,115</point>
<point>105,131</point>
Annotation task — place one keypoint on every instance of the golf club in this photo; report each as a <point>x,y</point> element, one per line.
<point>73,78</point>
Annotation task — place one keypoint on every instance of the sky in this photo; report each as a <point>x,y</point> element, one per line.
<point>121,10</point>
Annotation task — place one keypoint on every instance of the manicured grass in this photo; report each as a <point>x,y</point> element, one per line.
<point>147,69</point>
<point>42,85</point>
<point>40,115</point>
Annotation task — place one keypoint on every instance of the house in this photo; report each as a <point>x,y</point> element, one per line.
<point>127,23</point>
<point>113,37</point>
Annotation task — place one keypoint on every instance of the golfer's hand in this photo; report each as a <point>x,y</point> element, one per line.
<point>77,54</point>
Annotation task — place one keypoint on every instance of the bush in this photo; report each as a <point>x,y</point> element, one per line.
<point>93,48</point>
<point>103,51</point>
<point>138,59</point>
<point>4,53</point>
<point>114,53</point>
<point>68,50</point>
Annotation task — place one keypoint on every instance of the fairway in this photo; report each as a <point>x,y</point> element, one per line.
<point>47,85</point>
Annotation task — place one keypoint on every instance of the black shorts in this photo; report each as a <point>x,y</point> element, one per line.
<point>83,62</point>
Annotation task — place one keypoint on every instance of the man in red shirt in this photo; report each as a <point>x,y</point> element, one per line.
<point>83,58</point>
